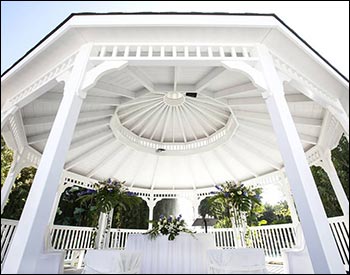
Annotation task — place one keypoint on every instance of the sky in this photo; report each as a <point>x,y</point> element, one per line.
<point>323,24</point>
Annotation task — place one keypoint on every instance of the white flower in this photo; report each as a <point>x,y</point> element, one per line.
<point>239,192</point>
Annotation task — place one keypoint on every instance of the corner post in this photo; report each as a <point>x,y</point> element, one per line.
<point>27,251</point>
<point>321,245</point>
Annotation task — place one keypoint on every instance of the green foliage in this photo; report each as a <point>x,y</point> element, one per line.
<point>231,196</point>
<point>69,212</point>
<point>107,196</point>
<point>6,160</point>
<point>275,214</point>
<point>19,194</point>
<point>135,219</point>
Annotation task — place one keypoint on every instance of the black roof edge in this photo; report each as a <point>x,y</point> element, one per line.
<point>174,13</point>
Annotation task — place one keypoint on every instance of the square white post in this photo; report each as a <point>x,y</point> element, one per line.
<point>15,168</point>
<point>327,164</point>
<point>28,244</point>
<point>285,188</point>
<point>322,248</point>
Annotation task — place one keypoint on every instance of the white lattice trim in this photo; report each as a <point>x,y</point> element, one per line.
<point>307,82</point>
<point>42,80</point>
<point>104,51</point>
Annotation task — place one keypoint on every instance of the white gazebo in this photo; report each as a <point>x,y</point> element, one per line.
<point>173,104</point>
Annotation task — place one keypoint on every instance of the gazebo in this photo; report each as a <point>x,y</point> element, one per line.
<point>174,104</point>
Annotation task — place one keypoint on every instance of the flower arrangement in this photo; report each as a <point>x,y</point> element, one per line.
<point>237,195</point>
<point>170,226</point>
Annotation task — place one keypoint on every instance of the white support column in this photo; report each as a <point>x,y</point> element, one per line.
<point>104,224</point>
<point>151,205</point>
<point>28,244</point>
<point>327,164</point>
<point>321,245</point>
<point>285,187</point>
<point>195,204</point>
<point>16,167</point>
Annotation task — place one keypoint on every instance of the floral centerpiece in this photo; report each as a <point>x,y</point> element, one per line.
<point>171,226</point>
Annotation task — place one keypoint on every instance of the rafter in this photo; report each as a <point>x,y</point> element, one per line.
<point>207,169</point>
<point>235,90</point>
<point>153,181</point>
<point>265,116</point>
<point>158,123</point>
<point>89,152</point>
<point>180,123</point>
<point>146,109</point>
<point>260,101</point>
<point>169,113</point>
<point>96,100</point>
<point>91,137</point>
<point>224,164</point>
<point>141,77</point>
<point>102,100</point>
<point>181,109</point>
<point>231,152</point>
<point>189,111</point>
<point>138,169</point>
<point>130,110</point>
<point>176,73</point>
<point>40,120</point>
<point>211,76</point>
<point>257,152</point>
<point>107,159</point>
<point>145,121</point>
<point>190,169</point>
<point>114,89</point>
<point>80,127</point>
<point>249,133</point>
<point>208,114</point>
<point>268,129</point>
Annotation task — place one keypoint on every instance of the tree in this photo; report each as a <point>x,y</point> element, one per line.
<point>6,160</point>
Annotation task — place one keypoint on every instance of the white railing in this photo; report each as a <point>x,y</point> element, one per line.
<point>340,230</point>
<point>117,237</point>
<point>272,238</point>
<point>122,51</point>
<point>7,231</point>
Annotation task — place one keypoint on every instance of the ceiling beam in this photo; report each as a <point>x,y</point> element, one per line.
<point>80,127</point>
<point>224,164</point>
<point>153,180</point>
<point>146,108</point>
<point>102,100</point>
<point>235,90</point>
<point>249,133</point>
<point>211,76</point>
<point>294,98</point>
<point>89,152</point>
<point>164,88</point>
<point>176,74</point>
<point>189,111</point>
<point>145,121</point>
<point>114,89</point>
<point>248,146</point>
<point>48,119</point>
<point>232,153</point>
<point>265,116</point>
<point>91,137</point>
<point>141,77</point>
<point>207,169</point>
<point>268,129</point>
<point>107,159</point>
